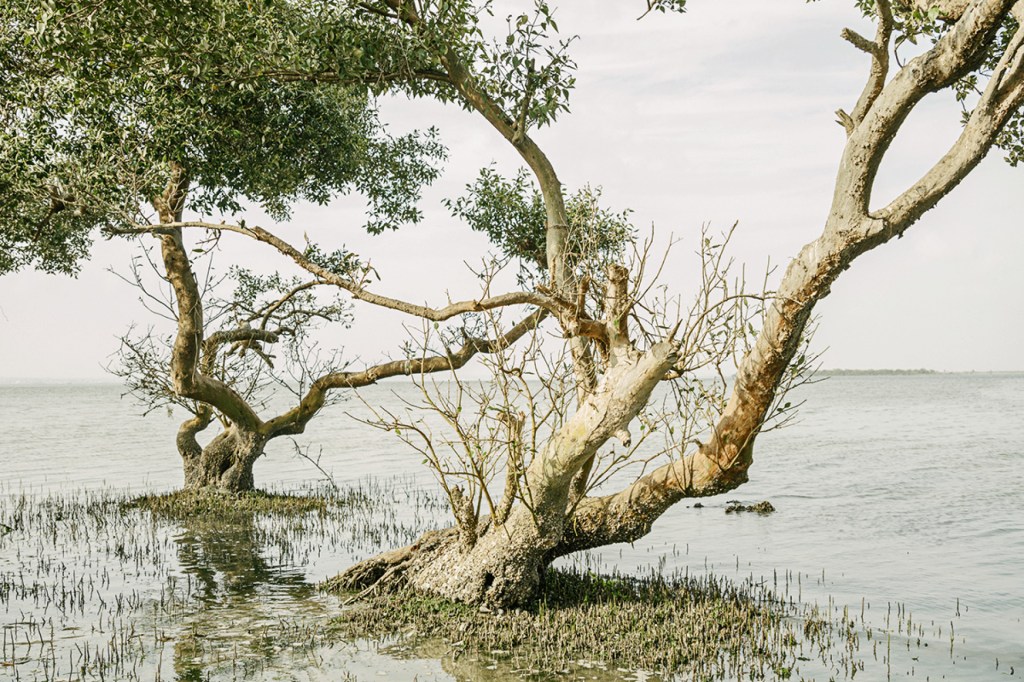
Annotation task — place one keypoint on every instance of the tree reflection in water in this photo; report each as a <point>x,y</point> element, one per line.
<point>252,601</point>
<point>226,558</point>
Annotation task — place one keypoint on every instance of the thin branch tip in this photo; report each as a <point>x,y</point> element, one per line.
<point>845,120</point>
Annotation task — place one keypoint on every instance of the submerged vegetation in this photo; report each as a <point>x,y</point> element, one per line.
<point>220,504</point>
<point>103,586</point>
<point>201,586</point>
<point>704,626</point>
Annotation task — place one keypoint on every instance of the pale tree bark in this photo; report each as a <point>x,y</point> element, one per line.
<point>504,562</point>
<point>502,565</point>
<point>851,230</point>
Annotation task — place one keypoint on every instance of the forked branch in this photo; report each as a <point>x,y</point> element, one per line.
<point>295,420</point>
<point>879,51</point>
<point>356,288</point>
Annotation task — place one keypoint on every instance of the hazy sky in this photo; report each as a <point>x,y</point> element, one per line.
<point>720,115</point>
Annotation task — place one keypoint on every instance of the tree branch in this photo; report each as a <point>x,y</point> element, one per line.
<point>186,376</point>
<point>459,74</point>
<point>884,111</point>
<point>244,337</point>
<point>1003,96</point>
<point>239,335</point>
<point>561,309</point>
<point>879,51</point>
<point>295,420</point>
<point>188,447</point>
<point>859,41</point>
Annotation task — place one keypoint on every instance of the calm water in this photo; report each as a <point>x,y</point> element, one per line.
<point>891,492</point>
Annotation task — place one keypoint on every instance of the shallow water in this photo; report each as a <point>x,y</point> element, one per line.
<point>897,496</point>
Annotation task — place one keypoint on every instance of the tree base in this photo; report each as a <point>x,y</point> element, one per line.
<point>439,564</point>
<point>225,464</point>
<point>227,482</point>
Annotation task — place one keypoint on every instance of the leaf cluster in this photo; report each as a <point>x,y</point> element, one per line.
<point>246,96</point>
<point>511,212</point>
<point>527,74</point>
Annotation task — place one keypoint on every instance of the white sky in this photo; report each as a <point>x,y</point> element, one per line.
<point>723,114</point>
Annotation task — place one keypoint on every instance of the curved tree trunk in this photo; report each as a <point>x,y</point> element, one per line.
<point>502,564</point>
<point>225,463</point>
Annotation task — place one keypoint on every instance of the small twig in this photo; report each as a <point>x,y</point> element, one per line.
<point>304,454</point>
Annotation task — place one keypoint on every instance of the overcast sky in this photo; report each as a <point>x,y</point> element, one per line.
<point>720,115</point>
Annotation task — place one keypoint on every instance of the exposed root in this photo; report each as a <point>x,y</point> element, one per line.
<point>387,571</point>
<point>368,574</point>
<point>392,579</point>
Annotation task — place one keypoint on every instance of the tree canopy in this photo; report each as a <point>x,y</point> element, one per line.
<point>97,103</point>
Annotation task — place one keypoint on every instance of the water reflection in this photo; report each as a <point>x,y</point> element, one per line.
<point>248,610</point>
<point>225,557</point>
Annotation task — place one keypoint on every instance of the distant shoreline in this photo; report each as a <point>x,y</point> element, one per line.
<point>886,372</point>
<point>16,382</point>
<point>911,372</point>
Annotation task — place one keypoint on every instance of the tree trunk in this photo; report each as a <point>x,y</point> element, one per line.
<point>503,568</point>
<point>502,564</point>
<point>224,464</point>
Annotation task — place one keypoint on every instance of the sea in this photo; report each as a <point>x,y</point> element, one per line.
<point>893,493</point>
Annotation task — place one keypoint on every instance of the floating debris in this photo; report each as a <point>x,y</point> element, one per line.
<point>763,508</point>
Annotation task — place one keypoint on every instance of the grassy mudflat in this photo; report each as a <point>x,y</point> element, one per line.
<point>213,504</point>
<point>704,627</point>
<point>196,586</point>
<point>101,585</point>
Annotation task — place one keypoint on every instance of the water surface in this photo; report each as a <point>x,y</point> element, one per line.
<point>894,494</point>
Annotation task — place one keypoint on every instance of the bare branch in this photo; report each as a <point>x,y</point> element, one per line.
<point>295,420</point>
<point>560,308</point>
<point>879,51</point>
<point>288,295</point>
<point>859,41</point>
<point>845,120</point>
<point>240,335</point>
